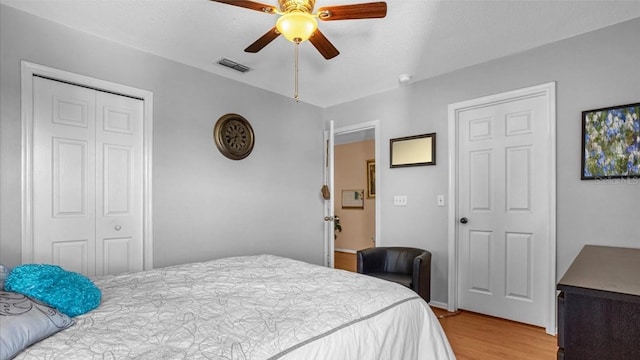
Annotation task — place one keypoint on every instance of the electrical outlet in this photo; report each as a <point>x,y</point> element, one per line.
<point>440,200</point>
<point>400,200</point>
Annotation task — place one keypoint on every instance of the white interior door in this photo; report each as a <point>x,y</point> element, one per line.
<point>504,203</point>
<point>329,212</point>
<point>87,179</point>
<point>119,242</point>
<point>64,175</point>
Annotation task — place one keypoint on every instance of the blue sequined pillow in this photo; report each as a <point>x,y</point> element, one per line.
<point>71,293</point>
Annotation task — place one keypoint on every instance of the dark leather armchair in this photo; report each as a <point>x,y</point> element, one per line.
<point>410,267</point>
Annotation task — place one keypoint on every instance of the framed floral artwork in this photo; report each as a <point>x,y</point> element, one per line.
<point>611,142</point>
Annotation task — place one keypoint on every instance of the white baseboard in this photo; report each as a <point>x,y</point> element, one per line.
<point>439,304</point>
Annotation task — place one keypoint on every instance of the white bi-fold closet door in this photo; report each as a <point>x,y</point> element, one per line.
<point>87,178</point>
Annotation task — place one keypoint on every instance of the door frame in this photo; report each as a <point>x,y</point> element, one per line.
<point>28,71</point>
<point>375,125</point>
<point>547,90</point>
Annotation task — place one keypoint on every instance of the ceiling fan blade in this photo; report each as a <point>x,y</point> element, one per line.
<point>324,46</point>
<point>263,41</point>
<point>355,11</point>
<point>249,5</point>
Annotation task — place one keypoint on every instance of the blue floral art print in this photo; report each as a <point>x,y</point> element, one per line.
<point>611,142</point>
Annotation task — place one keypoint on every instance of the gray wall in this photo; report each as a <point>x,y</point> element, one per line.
<point>204,205</point>
<point>594,70</point>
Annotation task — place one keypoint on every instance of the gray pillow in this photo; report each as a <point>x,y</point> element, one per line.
<point>4,272</point>
<point>24,321</point>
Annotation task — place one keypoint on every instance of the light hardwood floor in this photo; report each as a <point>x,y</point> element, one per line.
<point>480,337</point>
<point>344,261</point>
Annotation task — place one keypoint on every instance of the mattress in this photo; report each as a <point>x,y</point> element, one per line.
<point>251,307</point>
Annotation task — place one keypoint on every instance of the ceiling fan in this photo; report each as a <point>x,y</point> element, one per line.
<point>298,23</point>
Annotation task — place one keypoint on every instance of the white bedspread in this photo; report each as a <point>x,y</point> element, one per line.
<point>253,307</point>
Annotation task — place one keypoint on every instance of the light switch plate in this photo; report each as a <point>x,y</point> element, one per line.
<point>400,200</point>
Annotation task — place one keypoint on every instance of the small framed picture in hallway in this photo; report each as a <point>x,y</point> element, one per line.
<point>371,179</point>
<point>353,199</point>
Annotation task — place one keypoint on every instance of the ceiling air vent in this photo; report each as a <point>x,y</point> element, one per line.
<point>233,65</point>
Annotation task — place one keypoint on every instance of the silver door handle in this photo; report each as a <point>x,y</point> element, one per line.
<point>118,227</point>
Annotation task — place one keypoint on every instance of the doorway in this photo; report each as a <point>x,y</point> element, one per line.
<point>502,188</point>
<point>86,173</point>
<point>355,150</point>
<point>354,154</point>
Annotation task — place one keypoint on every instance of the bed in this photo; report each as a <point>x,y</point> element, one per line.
<point>250,307</point>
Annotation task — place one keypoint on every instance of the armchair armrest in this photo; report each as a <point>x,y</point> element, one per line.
<point>421,281</point>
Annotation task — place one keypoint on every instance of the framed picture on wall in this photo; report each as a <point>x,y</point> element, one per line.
<point>371,179</point>
<point>611,142</point>
<point>353,199</point>
<point>413,150</point>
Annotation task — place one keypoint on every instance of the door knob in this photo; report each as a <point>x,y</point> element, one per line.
<point>118,227</point>
<point>464,220</point>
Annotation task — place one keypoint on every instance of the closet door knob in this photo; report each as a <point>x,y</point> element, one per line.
<point>464,220</point>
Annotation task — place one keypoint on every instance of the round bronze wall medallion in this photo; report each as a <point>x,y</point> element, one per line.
<point>233,136</point>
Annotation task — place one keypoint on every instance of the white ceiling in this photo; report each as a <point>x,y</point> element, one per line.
<point>423,38</point>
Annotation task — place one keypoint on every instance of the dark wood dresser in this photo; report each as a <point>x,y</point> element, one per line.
<point>599,305</point>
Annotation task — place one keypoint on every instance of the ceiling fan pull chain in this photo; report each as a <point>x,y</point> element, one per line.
<point>295,91</point>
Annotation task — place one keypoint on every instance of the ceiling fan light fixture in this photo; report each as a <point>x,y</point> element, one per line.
<point>297,26</point>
